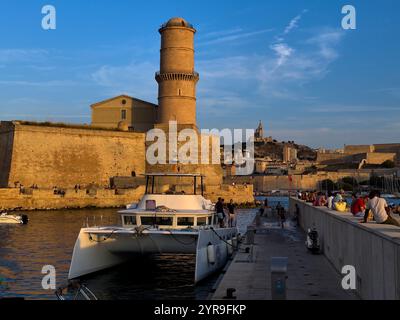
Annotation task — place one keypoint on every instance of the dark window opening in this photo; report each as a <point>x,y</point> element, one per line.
<point>160,221</point>
<point>130,220</point>
<point>202,221</point>
<point>185,221</point>
<point>123,114</point>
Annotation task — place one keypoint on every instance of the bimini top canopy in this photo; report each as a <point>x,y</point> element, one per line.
<point>177,185</point>
<point>173,175</point>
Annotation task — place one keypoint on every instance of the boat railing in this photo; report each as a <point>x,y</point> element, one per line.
<point>98,221</point>
<point>80,291</point>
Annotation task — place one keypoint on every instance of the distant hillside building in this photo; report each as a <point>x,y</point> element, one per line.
<point>259,134</point>
<point>362,154</point>
<point>289,154</point>
<point>124,112</point>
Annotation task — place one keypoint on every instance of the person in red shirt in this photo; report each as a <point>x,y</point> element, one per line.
<point>320,201</point>
<point>358,206</point>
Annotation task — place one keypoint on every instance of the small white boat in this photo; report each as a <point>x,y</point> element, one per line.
<point>388,196</point>
<point>161,223</point>
<point>6,218</point>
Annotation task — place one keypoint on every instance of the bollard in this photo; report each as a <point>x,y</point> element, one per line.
<point>229,294</point>
<point>258,220</point>
<point>278,277</point>
<point>250,235</point>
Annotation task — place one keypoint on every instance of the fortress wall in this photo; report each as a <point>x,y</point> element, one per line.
<point>42,199</point>
<point>339,158</point>
<point>213,172</point>
<point>372,249</point>
<point>301,182</point>
<point>330,158</point>
<point>6,148</point>
<point>389,147</point>
<point>355,149</point>
<point>239,194</point>
<point>379,158</point>
<point>64,157</point>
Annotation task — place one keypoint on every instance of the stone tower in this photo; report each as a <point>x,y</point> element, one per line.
<point>177,82</point>
<point>177,79</point>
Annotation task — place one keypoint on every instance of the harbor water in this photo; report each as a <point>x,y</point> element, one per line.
<point>49,238</point>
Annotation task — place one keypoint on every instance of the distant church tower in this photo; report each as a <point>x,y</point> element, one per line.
<point>259,133</point>
<point>177,79</point>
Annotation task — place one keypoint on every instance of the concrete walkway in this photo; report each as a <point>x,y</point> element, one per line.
<point>310,277</point>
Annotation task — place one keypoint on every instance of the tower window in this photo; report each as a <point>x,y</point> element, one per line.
<point>179,92</point>
<point>123,114</point>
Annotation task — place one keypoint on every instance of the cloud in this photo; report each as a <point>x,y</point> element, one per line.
<point>22,55</point>
<point>233,37</point>
<point>230,67</point>
<point>50,83</point>
<point>326,42</point>
<point>135,79</point>
<point>297,65</point>
<point>220,33</point>
<point>393,91</point>
<point>245,84</point>
<point>309,62</point>
<point>341,109</point>
<point>44,116</point>
<point>283,51</point>
<point>293,24</point>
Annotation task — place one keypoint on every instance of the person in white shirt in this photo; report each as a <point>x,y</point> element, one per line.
<point>330,200</point>
<point>379,209</point>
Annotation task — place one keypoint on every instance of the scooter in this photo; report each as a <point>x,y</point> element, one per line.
<point>312,242</point>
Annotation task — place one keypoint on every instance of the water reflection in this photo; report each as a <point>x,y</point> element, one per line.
<point>49,238</point>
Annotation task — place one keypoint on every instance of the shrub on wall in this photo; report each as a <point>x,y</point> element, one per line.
<point>389,164</point>
<point>328,185</point>
<point>350,180</point>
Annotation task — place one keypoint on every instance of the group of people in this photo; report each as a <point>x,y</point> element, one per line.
<point>381,212</point>
<point>280,211</point>
<point>366,207</point>
<point>307,196</point>
<point>58,191</point>
<point>225,218</point>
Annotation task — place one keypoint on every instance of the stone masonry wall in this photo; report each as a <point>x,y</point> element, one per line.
<point>6,147</point>
<point>64,157</point>
<point>299,182</point>
<point>11,198</point>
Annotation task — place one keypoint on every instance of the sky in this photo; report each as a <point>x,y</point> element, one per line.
<point>288,63</point>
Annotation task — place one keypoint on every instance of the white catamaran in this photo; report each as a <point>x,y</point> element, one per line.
<point>162,222</point>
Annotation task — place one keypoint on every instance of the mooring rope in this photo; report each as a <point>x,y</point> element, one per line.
<point>105,239</point>
<point>212,229</point>
<point>179,241</point>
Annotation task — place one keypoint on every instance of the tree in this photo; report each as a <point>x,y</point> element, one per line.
<point>328,185</point>
<point>389,164</point>
<point>350,180</point>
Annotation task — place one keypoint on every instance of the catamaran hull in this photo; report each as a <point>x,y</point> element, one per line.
<point>213,251</point>
<point>95,250</point>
